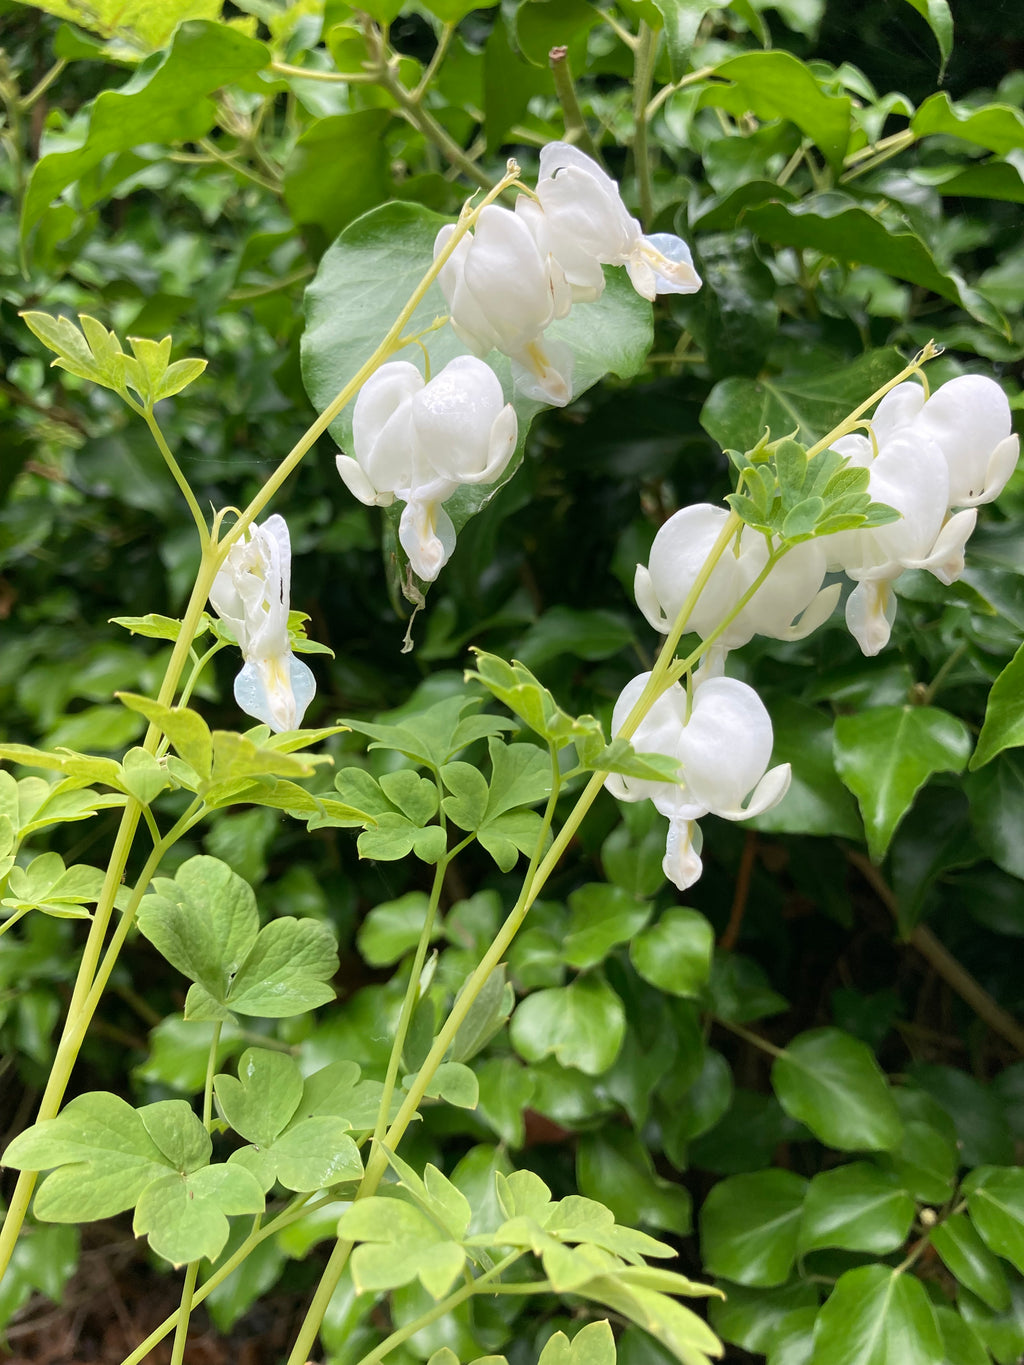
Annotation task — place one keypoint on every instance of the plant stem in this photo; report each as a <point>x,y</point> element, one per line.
<point>440,51</point>
<point>849,423</point>
<point>576,130</point>
<point>335,77</point>
<point>475,1286</point>
<point>146,413</point>
<point>213,150</point>
<point>754,1039</point>
<point>643,76</point>
<point>409,1002</point>
<point>938,956</point>
<point>192,1271</point>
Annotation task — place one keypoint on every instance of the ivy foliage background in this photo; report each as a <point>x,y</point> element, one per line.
<point>808,1078</point>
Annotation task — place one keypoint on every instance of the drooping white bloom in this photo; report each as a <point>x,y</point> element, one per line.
<point>251,594</point>
<point>503,291</point>
<point>722,738</point>
<point>418,442</point>
<point>968,418</point>
<point>588,226</point>
<point>910,473</point>
<point>680,550</point>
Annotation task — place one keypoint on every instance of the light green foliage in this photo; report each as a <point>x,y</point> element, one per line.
<point>206,924</point>
<point>105,1157</point>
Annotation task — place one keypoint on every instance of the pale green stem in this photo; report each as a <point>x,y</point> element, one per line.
<point>440,53</point>
<point>296,1209</point>
<point>475,1286</point>
<point>146,413</point>
<point>668,90</point>
<point>42,85</point>
<point>409,1002</point>
<point>866,157</point>
<point>192,1271</point>
<point>335,77</point>
<point>850,423</point>
<point>424,121</point>
<point>576,130</point>
<point>643,75</point>
<point>536,877</point>
<point>13,919</point>
<point>200,664</point>
<point>213,150</point>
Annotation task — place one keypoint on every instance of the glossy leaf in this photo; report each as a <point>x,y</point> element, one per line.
<point>887,754</point>
<point>876,1316</point>
<point>858,1208</point>
<point>675,953</point>
<point>749,1227</point>
<point>967,1257</point>
<point>1004,713</point>
<point>581,1024</point>
<point>995,1200</point>
<point>832,1083</point>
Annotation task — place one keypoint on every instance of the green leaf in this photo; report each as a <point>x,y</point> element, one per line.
<point>939,19</point>
<point>997,807</point>
<point>682,21</point>
<point>261,1101</point>
<point>967,1257</point>
<point>616,1169</point>
<point>835,225</point>
<point>1004,713</point>
<point>758,1320</point>
<point>48,886</point>
<point>338,169</point>
<point>832,1083</point>
<point>206,924</point>
<point>168,101</point>
<point>156,627</point>
<point>185,1216</point>
<point>926,1159</point>
<point>143,776</point>
<point>749,1226</point>
<point>186,730</point>
<point>961,1342</point>
<point>416,797</point>
<point>887,754</point>
<point>104,1155</point>
<point>506,1089</point>
<point>816,802</point>
<point>392,929</point>
<point>602,917</point>
<point>487,1014</point>
<point>999,127</point>
<point>455,1084</point>
<point>778,85</point>
<point>857,1208</point>
<point>675,954</point>
<point>582,1024</point>
<point>592,1345</point>
<point>808,403</point>
<point>877,1316</point>
<point>995,1200</point>
<point>137,26</point>
<point>515,687</point>
<point>398,1243</point>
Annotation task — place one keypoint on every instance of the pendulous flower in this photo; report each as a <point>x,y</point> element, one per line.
<point>251,595</point>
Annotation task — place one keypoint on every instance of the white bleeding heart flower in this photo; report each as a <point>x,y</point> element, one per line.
<point>721,736</point>
<point>911,474</point>
<point>968,418</point>
<point>502,292</point>
<point>251,595</point>
<point>588,226</point>
<point>681,547</point>
<point>418,442</point>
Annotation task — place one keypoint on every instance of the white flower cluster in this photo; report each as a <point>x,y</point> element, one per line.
<point>523,268</point>
<point>926,458</point>
<point>418,441</point>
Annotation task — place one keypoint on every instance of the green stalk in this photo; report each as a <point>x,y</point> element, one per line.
<point>850,423</point>
<point>192,1272</point>
<point>409,1003</point>
<point>146,413</point>
<point>475,1286</point>
<point>643,76</point>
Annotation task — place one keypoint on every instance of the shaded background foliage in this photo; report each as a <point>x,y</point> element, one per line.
<point>656,1094</point>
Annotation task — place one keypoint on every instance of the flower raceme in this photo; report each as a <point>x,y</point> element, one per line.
<point>251,595</point>
<point>721,736</point>
<point>418,442</point>
<point>522,269</point>
<point>925,457</point>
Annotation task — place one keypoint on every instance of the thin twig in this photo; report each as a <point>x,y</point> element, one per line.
<point>942,961</point>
